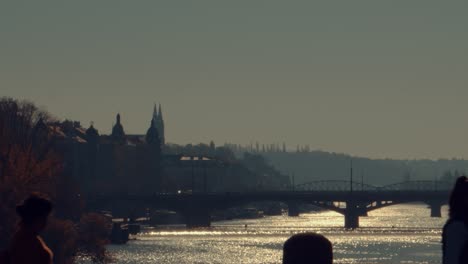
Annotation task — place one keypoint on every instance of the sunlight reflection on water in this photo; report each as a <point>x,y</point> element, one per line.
<point>395,234</point>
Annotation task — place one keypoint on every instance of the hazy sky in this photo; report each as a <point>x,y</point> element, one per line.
<point>370,78</point>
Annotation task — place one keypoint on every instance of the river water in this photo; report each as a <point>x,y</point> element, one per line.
<point>395,234</point>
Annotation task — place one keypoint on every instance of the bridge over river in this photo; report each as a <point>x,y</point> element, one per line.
<point>350,199</point>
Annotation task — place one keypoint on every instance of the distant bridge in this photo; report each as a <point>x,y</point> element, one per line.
<point>341,185</point>
<point>350,199</point>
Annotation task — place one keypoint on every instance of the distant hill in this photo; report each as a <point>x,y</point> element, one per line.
<point>320,165</point>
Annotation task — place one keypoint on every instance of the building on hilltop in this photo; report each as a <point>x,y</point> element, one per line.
<point>120,163</point>
<point>109,163</point>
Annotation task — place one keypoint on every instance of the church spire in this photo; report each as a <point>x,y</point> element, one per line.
<point>160,112</point>
<point>155,112</point>
<point>152,136</point>
<point>158,122</point>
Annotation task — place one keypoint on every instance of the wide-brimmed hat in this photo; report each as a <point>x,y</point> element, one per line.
<point>33,207</point>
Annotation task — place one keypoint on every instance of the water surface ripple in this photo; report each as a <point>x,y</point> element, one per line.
<point>395,234</point>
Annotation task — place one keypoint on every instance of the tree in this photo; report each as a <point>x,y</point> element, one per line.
<point>29,162</point>
<point>225,154</point>
<point>212,147</point>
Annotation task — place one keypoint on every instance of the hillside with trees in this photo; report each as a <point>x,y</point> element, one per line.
<point>308,165</point>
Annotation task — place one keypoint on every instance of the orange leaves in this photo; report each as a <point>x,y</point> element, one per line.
<point>24,171</point>
<point>27,160</point>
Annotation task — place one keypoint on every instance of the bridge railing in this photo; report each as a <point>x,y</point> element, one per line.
<point>418,186</point>
<point>334,185</point>
<point>341,185</point>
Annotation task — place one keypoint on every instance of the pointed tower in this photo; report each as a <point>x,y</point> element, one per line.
<point>118,134</point>
<point>155,115</point>
<point>160,111</point>
<point>152,136</point>
<point>159,123</point>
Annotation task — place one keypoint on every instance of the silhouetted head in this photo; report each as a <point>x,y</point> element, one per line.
<point>458,202</point>
<point>307,248</point>
<point>34,212</point>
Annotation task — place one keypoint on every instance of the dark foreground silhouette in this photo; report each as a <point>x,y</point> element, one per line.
<point>307,248</point>
<point>455,232</point>
<point>27,246</point>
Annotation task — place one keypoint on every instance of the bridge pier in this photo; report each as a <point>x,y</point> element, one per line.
<point>351,216</point>
<point>293,209</point>
<point>363,213</point>
<point>436,209</point>
<point>197,217</point>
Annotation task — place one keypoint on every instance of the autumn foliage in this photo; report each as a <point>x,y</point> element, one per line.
<point>29,162</point>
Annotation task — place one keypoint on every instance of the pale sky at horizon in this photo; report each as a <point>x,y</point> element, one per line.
<point>368,78</point>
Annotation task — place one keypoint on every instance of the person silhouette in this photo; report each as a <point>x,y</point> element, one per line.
<point>307,248</point>
<point>455,231</point>
<point>26,245</point>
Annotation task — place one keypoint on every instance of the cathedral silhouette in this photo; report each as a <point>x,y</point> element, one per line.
<point>154,133</point>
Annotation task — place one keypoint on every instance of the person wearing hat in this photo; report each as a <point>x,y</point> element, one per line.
<point>27,246</point>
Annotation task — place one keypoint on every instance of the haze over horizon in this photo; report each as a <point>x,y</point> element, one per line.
<point>373,79</point>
